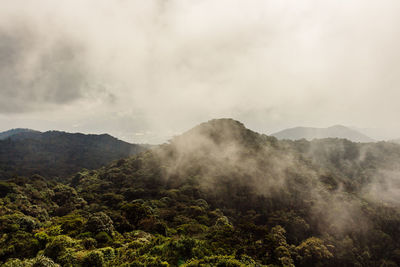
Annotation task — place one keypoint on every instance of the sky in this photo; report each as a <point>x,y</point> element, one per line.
<point>144,71</point>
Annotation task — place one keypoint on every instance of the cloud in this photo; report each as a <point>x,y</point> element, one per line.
<point>36,72</point>
<point>177,63</point>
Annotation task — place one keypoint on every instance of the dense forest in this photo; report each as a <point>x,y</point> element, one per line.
<point>57,154</point>
<point>217,195</point>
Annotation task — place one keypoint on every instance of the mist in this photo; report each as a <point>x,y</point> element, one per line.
<point>145,71</point>
<point>225,192</point>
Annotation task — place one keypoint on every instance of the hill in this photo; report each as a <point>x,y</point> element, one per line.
<point>217,195</point>
<point>12,132</point>
<point>58,154</point>
<point>310,133</point>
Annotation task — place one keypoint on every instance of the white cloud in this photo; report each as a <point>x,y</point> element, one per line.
<point>164,66</point>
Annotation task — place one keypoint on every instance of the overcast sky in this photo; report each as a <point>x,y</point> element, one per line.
<point>146,70</point>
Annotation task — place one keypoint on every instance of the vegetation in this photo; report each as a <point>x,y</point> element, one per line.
<point>218,195</point>
<point>58,154</point>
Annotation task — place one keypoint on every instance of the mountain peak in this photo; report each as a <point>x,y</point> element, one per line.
<point>222,130</point>
<point>215,137</point>
<point>220,125</point>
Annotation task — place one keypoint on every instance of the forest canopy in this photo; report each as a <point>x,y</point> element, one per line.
<point>217,195</point>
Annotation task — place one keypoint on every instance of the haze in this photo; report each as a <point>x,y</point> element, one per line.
<point>146,70</point>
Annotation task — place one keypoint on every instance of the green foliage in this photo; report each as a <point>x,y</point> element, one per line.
<point>192,229</point>
<point>42,261</point>
<point>218,261</point>
<point>39,261</point>
<point>239,200</point>
<point>148,261</point>
<point>43,238</point>
<point>71,224</point>
<point>100,222</point>
<point>55,153</point>
<point>14,222</point>
<point>89,243</point>
<point>108,253</point>
<point>6,188</point>
<point>313,251</point>
<point>93,259</point>
<point>135,212</point>
<point>103,238</point>
<point>57,248</point>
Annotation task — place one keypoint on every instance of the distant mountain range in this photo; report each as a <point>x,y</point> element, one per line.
<point>26,152</point>
<point>309,133</point>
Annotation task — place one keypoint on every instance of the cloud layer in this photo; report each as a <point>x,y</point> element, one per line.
<point>145,70</point>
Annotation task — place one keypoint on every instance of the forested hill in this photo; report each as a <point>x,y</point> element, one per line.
<point>58,154</point>
<point>217,195</point>
<point>13,132</point>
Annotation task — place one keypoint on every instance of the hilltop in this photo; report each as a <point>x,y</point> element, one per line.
<point>13,132</point>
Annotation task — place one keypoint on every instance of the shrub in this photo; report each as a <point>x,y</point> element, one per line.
<point>313,251</point>
<point>43,238</point>
<point>145,261</point>
<point>100,222</point>
<point>14,222</point>
<point>93,259</point>
<point>68,257</point>
<point>108,253</point>
<point>71,224</point>
<point>103,238</point>
<point>42,261</point>
<point>20,245</point>
<point>15,263</point>
<point>192,229</point>
<point>6,188</point>
<point>58,246</point>
<point>89,243</point>
<point>218,261</point>
<point>39,261</point>
<point>135,212</point>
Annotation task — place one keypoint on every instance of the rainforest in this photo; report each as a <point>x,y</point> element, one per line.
<point>217,195</point>
<point>199,133</point>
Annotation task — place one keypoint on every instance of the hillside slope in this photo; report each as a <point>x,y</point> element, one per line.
<point>59,153</point>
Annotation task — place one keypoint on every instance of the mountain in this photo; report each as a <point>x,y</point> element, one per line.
<point>309,133</point>
<point>12,132</point>
<point>55,153</point>
<point>216,195</point>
